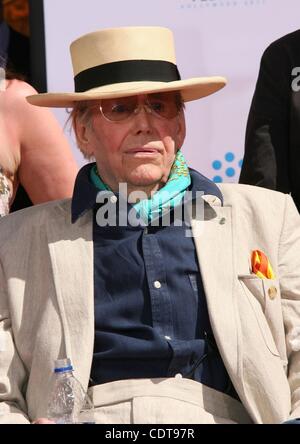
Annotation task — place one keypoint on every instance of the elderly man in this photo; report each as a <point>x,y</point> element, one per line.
<point>177,301</point>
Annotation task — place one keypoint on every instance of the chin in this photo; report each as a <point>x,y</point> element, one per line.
<point>145,176</point>
<point>144,181</point>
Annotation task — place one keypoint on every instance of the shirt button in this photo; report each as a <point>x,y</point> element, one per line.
<point>157,284</point>
<point>114,199</point>
<point>178,376</point>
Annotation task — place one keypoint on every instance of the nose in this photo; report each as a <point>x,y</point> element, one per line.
<point>142,118</point>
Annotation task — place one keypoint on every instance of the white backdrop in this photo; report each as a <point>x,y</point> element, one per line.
<point>212,37</point>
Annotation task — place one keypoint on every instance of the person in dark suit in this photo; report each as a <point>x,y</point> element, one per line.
<point>272,145</point>
<point>19,53</point>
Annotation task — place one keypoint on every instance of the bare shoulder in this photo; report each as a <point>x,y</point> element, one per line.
<point>18,111</point>
<point>16,93</point>
<point>19,88</point>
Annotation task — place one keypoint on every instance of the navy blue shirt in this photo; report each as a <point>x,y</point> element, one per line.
<point>151,317</point>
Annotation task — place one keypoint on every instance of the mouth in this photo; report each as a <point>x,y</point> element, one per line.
<point>143,151</point>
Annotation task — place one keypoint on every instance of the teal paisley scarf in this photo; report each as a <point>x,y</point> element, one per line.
<point>166,198</point>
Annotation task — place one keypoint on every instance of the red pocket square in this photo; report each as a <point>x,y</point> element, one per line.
<point>261,265</point>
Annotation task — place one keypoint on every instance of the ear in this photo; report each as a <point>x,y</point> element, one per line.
<point>83,132</point>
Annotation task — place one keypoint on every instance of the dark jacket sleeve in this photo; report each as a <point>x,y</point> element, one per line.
<point>266,159</point>
<point>19,54</point>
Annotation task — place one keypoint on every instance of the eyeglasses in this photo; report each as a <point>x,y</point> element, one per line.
<point>161,105</point>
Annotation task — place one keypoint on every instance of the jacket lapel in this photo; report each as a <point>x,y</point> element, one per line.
<point>213,238</point>
<point>71,252</point>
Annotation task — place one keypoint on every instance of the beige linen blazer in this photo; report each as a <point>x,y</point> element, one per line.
<point>47,312</point>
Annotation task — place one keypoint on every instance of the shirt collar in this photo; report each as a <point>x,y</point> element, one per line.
<point>85,192</point>
<point>202,183</point>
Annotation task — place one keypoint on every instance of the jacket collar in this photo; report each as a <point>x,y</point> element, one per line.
<point>85,192</point>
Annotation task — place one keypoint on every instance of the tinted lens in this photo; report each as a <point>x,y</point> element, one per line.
<point>119,109</point>
<point>163,104</point>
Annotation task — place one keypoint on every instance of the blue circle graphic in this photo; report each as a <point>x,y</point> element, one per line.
<point>229,157</point>
<point>217,179</point>
<point>230,172</point>
<point>224,169</point>
<point>217,165</point>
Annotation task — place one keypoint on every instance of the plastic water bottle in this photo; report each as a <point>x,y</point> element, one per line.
<point>68,403</point>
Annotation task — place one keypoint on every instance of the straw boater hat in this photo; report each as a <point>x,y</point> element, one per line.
<point>121,62</point>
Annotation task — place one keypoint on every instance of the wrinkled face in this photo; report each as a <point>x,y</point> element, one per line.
<point>139,146</point>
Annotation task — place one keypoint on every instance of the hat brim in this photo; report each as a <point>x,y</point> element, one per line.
<point>191,89</point>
